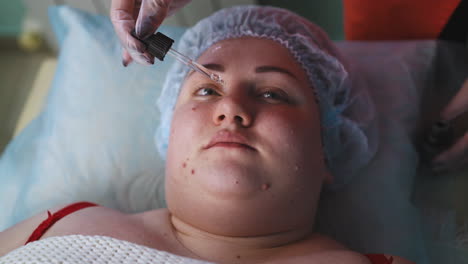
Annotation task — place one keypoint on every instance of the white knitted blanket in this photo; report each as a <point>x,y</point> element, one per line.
<point>90,249</point>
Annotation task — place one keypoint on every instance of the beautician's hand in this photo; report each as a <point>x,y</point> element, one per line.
<point>456,112</point>
<point>143,16</point>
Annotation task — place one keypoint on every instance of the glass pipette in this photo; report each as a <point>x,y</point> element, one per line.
<point>159,45</point>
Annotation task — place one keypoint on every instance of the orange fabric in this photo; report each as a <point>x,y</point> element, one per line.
<point>396,19</point>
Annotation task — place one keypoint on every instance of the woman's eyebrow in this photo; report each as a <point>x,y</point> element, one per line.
<point>268,68</point>
<point>210,66</point>
<point>259,69</point>
<point>214,67</point>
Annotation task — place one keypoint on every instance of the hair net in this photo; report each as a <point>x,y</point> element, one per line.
<point>346,146</point>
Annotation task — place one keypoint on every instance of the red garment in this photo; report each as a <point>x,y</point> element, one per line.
<point>46,224</point>
<point>50,221</point>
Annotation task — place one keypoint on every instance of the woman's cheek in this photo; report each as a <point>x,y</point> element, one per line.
<point>292,131</point>
<point>285,121</point>
<point>188,121</point>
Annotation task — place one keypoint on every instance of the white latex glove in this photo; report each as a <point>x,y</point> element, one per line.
<point>144,17</point>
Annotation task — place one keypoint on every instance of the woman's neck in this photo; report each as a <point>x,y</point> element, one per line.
<point>231,249</point>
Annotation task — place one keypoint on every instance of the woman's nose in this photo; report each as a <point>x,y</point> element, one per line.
<point>232,110</point>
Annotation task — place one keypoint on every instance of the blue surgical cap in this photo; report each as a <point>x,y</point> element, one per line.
<point>346,146</point>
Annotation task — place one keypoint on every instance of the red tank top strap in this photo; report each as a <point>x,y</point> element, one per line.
<point>53,218</point>
<point>379,259</point>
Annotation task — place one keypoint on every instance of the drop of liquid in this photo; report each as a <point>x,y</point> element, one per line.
<point>217,78</point>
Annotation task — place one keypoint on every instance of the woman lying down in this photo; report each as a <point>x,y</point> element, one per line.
<point>245,161</point>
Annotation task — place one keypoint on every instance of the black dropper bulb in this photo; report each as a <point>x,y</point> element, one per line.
<point>158,45</point>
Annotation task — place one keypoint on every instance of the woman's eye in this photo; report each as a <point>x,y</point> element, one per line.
<point>206,91</point>
<point>275,96</point>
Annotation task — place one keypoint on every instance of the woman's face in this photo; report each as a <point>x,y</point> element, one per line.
<point>248,153</point>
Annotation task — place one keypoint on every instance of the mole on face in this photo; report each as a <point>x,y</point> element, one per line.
<point>265,186</point>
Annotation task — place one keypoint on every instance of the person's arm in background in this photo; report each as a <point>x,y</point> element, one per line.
<point>455,157</point>
<point>369,20</point>
<point>144,17</point>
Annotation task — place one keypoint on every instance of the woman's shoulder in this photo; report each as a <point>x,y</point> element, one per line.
<point>104,221</point>
<point>19,234</point>
<point>70,220</point>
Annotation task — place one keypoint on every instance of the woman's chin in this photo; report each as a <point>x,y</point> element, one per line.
<point>230,181</point>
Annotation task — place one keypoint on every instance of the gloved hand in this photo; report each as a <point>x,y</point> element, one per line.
<point>143,17</point>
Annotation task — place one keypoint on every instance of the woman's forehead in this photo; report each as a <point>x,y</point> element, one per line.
<point>251,53</point>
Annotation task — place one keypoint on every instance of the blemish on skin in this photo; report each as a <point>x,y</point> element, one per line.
<point>194,108</point>
<point>296,168</point>
<point>238,256</point>
<point>184,165</point>
<point>237,182</point>
<point>265,186</point>
<point>193,171</point>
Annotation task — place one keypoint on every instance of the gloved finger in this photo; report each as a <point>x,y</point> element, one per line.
<point>126,58</point>
<point>152,14</point>
<point>143,58</point>
<point>454,155</point>
<point>122,17</point>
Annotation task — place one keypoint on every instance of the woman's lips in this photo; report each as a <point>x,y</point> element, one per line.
<point>231,145</point>
<point>228,139</point>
